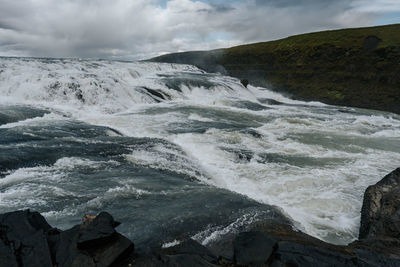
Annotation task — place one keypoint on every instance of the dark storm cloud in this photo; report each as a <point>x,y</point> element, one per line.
<point>222,8</point>
<point>135,29</point>
<point>6,26</point>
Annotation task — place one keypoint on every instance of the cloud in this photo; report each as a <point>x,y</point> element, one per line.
<point>376,6</point>
<point>137,29</point>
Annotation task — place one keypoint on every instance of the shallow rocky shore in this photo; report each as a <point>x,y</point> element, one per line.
<point>26,239</point>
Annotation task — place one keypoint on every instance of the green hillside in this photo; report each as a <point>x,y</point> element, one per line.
<point>352,67</point>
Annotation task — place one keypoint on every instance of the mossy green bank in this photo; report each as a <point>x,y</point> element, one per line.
<point>357,67</point>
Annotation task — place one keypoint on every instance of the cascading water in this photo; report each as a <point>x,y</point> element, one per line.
<point>163,147</point>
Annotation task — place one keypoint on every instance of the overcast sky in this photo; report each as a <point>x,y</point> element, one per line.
<point>139,29</point>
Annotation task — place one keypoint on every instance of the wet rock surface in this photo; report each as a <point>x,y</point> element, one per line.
<point>26,239</point>
<point>380,214</point>
<point>23,239</point>
<point>253,248</point>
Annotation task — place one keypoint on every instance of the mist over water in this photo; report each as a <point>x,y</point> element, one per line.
<point>166,148</point>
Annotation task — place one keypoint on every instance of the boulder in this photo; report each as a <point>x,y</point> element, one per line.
<point>96,230</point>
<point>93,243</point>
<point>26,239</point>
<point>23,239</point>
<point>271,243</point>
<point>253,248</point>
<point>223,247</point>
<point>244,82</point>
<point>380,217</point>
<point>380,213</point>
<point>298,254</point>
<point>294,248</point>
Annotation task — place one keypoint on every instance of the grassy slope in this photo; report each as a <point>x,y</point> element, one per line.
<point>343,67</point>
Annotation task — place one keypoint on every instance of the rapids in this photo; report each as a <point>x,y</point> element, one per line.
<point>171,150</point>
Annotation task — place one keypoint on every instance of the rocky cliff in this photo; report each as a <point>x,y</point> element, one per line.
<point>350,67</point>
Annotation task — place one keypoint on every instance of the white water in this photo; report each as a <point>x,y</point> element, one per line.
<point>311,159</point>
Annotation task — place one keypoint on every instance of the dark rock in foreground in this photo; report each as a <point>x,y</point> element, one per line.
<point>23,239</point>
<point>26,239</point>
<point>380,214</point>
<point>253,248</point>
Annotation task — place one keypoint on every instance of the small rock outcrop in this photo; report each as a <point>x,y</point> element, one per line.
<point>244,82</point>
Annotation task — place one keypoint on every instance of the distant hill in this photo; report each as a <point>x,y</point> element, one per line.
<point>352,67</point>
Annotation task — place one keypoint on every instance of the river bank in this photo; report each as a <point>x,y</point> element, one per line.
<point>349,67</point>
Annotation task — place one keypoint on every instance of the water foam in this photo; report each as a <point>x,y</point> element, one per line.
<point>107,87</point>
<point>214,233</point>
<point>311,159</point>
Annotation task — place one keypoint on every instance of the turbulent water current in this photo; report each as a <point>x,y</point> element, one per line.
<point>170,150</point>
